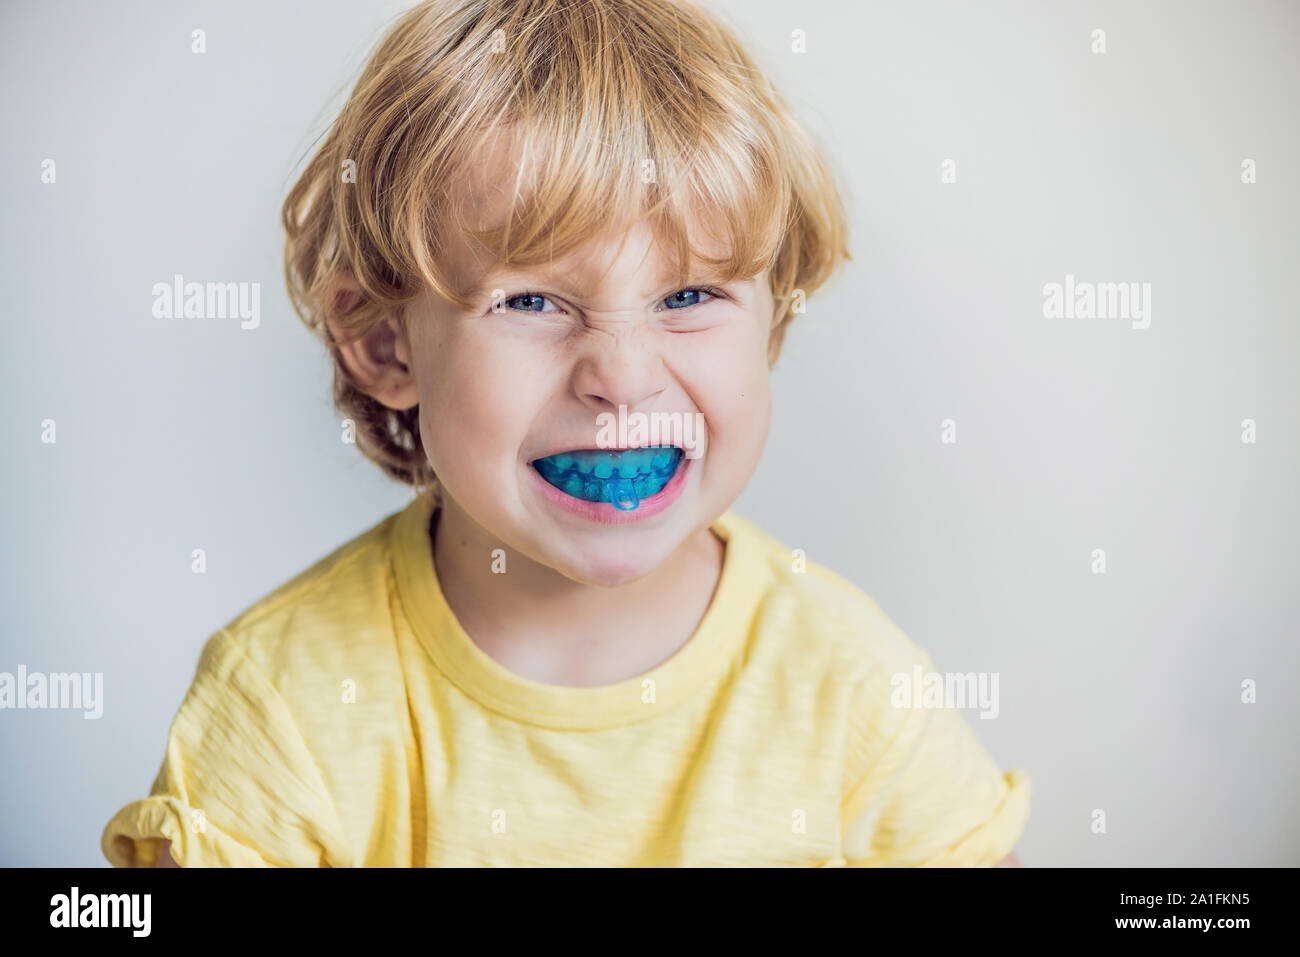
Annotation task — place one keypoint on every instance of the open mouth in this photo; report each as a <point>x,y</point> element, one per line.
<point>621,477</point>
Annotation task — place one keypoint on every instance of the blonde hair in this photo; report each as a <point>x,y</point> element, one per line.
<point>633,109</point>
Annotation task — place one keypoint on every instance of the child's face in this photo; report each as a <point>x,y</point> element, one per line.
<point>506,385</point>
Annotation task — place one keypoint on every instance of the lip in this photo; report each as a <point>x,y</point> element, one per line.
<point>560,449</point>
<point>604,513</point>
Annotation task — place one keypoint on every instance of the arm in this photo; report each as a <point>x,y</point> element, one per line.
<point>165,856</point>
<point>234,753</point>
<point>1009,861</point>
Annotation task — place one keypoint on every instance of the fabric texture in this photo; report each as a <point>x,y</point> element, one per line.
<point>347,720</point>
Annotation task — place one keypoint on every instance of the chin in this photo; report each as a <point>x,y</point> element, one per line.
<point>609,565</point>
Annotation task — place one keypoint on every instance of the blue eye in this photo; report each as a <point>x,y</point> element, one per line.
<point>686,297</point>
<point>529,302</point>
<point>534,302</point>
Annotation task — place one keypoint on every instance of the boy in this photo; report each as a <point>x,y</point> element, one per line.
<point>532,220</point>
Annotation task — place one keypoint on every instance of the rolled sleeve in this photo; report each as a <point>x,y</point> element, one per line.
<point>931,795</point>
<point>237,787</point>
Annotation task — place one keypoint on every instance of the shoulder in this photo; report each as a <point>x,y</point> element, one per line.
<point>802,598</point>
<point>328,620</point>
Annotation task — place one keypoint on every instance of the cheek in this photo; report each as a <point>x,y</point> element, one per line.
<point>745,412</point>
<point>734,393</point>
<point>471,412</point>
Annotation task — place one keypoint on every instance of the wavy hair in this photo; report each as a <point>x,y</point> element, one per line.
<point>631,110</point>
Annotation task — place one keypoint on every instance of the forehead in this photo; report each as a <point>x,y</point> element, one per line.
<point>496,193</point>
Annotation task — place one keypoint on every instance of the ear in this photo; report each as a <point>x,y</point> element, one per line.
<point>379,362</point>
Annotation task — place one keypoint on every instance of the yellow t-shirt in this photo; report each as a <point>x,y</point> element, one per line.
<point>347,720</point>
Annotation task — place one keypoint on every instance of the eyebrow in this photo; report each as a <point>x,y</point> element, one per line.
<point>498,277</point>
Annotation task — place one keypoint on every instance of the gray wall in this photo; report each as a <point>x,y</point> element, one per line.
<point>1119,691</point>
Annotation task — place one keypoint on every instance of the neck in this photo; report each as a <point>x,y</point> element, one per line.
<point>544,626</point>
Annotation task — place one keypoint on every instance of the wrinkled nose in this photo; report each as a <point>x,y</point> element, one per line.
<point>620,367</point>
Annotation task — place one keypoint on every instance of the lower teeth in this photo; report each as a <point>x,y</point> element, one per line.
<point>623,492</point>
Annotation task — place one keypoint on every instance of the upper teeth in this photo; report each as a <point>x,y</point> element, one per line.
<point>608,463</point>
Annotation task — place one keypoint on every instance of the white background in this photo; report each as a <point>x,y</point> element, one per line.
<point>1118,692</point>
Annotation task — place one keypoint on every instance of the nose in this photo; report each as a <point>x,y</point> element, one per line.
<point>620,366</point>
